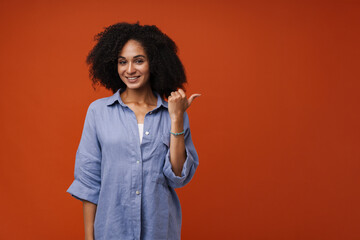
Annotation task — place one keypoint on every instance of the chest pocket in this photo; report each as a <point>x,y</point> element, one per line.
<point>166,139</point>
<point>155,148</point>
<point>162,146</point>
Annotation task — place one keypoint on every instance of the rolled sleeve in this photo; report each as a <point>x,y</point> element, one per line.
<point>87,174</point>
<point>190,164</point>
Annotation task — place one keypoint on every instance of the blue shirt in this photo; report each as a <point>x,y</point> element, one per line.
<point>131,183</point>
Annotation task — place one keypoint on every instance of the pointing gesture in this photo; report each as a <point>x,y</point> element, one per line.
<point>178,103</point>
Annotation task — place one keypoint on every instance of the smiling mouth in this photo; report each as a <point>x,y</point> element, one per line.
<point>132,78</point>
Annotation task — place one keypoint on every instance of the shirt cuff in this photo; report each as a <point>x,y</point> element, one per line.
<point>186,173</point>
<point>82,192</point>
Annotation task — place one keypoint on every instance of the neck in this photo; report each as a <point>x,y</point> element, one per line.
<point>140,96</point>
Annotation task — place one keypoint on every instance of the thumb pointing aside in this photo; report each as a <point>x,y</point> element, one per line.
<point>192,97</point>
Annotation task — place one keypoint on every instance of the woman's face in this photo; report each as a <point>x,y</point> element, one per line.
<point>133,65</point>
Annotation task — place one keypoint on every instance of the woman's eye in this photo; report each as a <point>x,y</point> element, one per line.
<point>139,61</point>
<point>122,62</point>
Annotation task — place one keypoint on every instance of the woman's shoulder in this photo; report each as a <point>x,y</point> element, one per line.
<point>100,104</point>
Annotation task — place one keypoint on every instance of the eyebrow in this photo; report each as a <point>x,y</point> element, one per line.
<point>133,57</point>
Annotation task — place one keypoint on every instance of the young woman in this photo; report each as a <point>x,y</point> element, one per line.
<point>135,147</point>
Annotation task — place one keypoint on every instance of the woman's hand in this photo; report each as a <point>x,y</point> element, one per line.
<point>178,103</point>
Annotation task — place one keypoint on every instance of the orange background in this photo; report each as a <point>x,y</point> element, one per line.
<point>276,128</point>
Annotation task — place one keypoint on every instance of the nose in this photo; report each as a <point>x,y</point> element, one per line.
<point>130,69</point>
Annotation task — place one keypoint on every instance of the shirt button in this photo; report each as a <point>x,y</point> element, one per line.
<point>147,133</point>
<point>137,192</point>
<point>137,161</point>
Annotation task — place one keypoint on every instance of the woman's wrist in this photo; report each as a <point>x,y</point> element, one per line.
<point>178,122</point>
<point>177,125</point>
<point>177,117</point>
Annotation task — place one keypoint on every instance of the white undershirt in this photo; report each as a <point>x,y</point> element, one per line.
<point>141,130</point>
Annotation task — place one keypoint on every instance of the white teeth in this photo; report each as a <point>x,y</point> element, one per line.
<point>132,78</point>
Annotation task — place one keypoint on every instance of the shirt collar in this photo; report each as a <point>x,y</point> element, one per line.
<point>116,97</point>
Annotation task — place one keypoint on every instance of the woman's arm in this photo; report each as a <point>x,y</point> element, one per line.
<point>89,210</point>
<point>177,145</point>
<point>178,103</point>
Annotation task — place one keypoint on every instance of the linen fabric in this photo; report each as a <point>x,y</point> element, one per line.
<point>132,183</point>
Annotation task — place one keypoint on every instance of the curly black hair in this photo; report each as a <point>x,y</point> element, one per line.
<point>167,73</point>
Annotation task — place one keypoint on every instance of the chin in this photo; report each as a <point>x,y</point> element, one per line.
<point>136,85</point>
